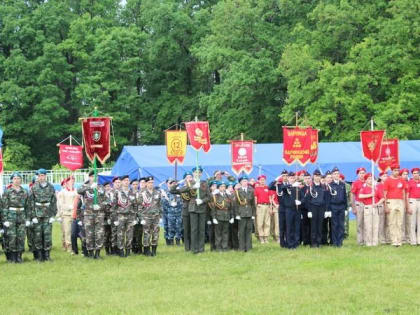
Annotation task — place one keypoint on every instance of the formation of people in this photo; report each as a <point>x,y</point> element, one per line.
<point>124,216</point>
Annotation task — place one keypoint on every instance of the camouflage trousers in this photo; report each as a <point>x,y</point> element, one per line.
<point>42,234</point>
<point>151,230</point>
<point>114,228</point>
<point>125,231</point>
<point>30,237</point>
<point>94,231</point>
<point>107,234</point>
<point>15,236</point>
<point>174,226</point>
<point>138,237</point>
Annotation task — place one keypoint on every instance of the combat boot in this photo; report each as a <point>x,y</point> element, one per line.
<point>167,241</point>
<point>98,254</point>
<point>19,257</point>
<point>47,255</point>
<point>107,251</point>
<point>84,251</point>
<point>12,257</point>
<point>8,256</point>
<point>146,250</point>
<point>121,253</point>
<point>127,252</point>
<point>91,254</point>
<point>178,242</point>
<point>154,247</point>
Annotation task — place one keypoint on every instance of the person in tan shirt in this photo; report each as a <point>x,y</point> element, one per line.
<point>65,204</point>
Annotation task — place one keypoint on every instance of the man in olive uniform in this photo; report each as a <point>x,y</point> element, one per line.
<point>135,245</point>
<point>138,228</point>
<point>222,215</point>
<point>116,185</point>
<point>93,217</point>
<point>185,195</point>
<point>15,218</point>
<point>43,209</point>
<point>108,196</point>
<point>245,213</point>
<point>126,207</point>
<point>150,215</point>
<point>30,228</point>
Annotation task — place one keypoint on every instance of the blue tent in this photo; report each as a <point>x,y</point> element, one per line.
<point>140,161</point>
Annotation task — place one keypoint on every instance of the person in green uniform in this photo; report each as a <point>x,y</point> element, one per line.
<point>222,215</point>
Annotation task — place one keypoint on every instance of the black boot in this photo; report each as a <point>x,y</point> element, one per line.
<point>19,257</point>
<point>121,253</point>
<point>85,251</point>
<point>47,255</point>
<point>98,254</point>
<point>178,242</point>
<point>146,250</point>
<point>167,241</point>
<point>140,250</point>
<point>12,257</point>
<point>37,255</point>
<point>114,251</point>
<point>154,247</point>
<point>8,256</point>
<point>42,255</point>
<point>171,242</point>
<point>91,255</point>
<point>127,252</point>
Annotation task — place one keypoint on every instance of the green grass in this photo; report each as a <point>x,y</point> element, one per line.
<point>267,280</point>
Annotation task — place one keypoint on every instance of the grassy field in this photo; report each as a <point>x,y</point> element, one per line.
<point>267,280</point>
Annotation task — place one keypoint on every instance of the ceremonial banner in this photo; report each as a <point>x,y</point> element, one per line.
<point>242,155</point>
<point>389,154</point>
<point>176,145</point>
<point>371,144</point>
<point>71,156</point>
<point>314,145</point>
<point>1,155</point>
<point>96,136</point>
<point>297,145</point>
<point>199,135</point>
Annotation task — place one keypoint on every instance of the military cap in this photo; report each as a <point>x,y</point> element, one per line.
<point>220,183</point>
<point>306,173</point>
<point>213,182</point>
<point>186,174</point>
<point>395,166</point>
<point>42,171</point>
<point>317,172</point>
<point>15,174</point>
<point>367,175</point>
<point>404,170</point>
<point>335,169</point>
<point>242,178</point>
<point>134,180</point>
<point>291,174</point>
<point>124,177</point>
<point>34,178</point>
<point>342,177</point>
<point>261,176</point>
<point>107,183</point>
<point>328,172</point>
<point>199,168</point>
<point>360,169</point>
<point>115,178</point>
<point>416,169</point>
<point>284,172</point>
<point>170,180</point>
<point>142,179</point>
<point>148,178</point>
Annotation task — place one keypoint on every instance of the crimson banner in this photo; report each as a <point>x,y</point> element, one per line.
<point>297,145</point>
<point>199,134</point>
<point>96,136</point>
<point>1,161</point>
<point>389,154</point>
<point>371,144</point>
<point>176,145</point>
<point>71,156</point>
<point>314,145</point>
<point>242,155</point>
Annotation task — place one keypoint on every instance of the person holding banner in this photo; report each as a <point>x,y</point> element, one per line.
<point>395,198</point>
<point>357,205</point>
<point>245,213</point>
<point>370,212</point>
<point>414,205</point>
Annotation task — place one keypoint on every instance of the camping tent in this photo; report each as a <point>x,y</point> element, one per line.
<point>140,161</point>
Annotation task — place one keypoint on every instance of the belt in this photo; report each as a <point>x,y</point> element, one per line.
<point>416,199</point>
<point>267,204</point>
<point>44,204</point>
<point>16,209</point>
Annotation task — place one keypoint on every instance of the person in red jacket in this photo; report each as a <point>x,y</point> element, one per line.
<point>383,232</point>
<point>262,199</point>
<point>395,200</point>
<point>405,228</point>
<point>413,193</point>
<point>357,205</point>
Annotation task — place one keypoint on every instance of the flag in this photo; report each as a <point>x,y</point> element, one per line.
<point>96,137</point>
<point>176,145</point>
<point>242,155</point>
<point>389,154</point>
<point>1,161</point>
<point>296,145</point>
<point>371,144</point>
<point>314,145</point>
<point>71,156</point>
<point>199,134</point>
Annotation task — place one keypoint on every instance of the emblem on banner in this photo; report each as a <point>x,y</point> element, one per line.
<point>96,136</point>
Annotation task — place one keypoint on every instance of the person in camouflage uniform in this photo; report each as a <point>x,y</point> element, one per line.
<point>185,205</point>
<point>93,217</point>
<point>150,215</point>
<point>43,209</point>
<point>30,228</point>
<point>172,204</point>
<point>126,205</point>
<point>15,218</point>
<point>116,183</point>
<point>108,196</point>
<point>138,228</point>
<point>221,216</point>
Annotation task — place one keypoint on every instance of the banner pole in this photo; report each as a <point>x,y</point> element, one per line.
<point>95,170</point>
<point>196,163</point>
<point>176,169</point>
<point>372,169</point>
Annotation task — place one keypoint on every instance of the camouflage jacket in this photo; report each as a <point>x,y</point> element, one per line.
<point>125,202</point>
<point>88,195</point>
<point>150,203</point>
<point>14,205</point>
<point>172,203</point>
<point>42,201</point>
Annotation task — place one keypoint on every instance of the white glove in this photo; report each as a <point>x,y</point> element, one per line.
<point>215,192</point>
<point>199,201</point>
<point>329,214</point>
<point>231,221</point>
<point>228,192</point>
<point>296,184</point>
<point>80,223</point>
<point>58,219</point>
<point>238,217</point>
<point>143,222</point>
<point>116,223</point>
<point>27,223</point>
<point>309,215</point>
<point>346,213</point>
<point>215,221</point>
<point>160,221</point>
<point>196,185</point>
<point>35,220</point>
<point>51,220</point>
<point>108,221</point>
<point>94,185</point>
<point>253,218</point>
<point>96,207</point>
<point>350,209</point>
<point>1,232</point>
<point>208,222</point>
<point>301,216</point>
<point>135,222</point>
<point>6,224</point>
<point>298,202</point>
